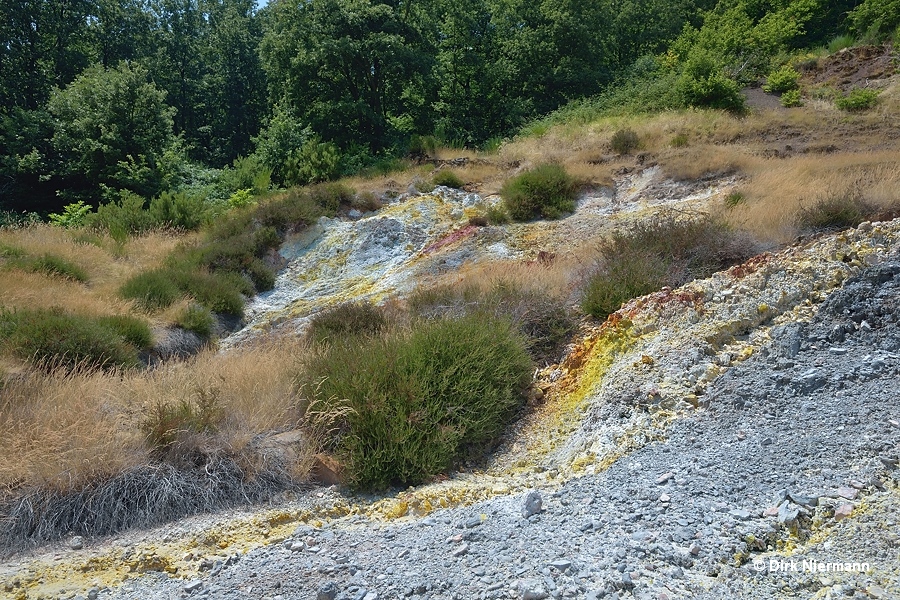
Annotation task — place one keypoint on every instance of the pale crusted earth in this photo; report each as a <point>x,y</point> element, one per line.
<point>690,447</point>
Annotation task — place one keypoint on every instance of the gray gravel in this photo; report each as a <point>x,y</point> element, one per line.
<point>806,428</point>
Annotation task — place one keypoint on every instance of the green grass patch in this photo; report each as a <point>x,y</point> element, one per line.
<point>56,266</point>
<point>197,319</point>
<point>409,404</point>
<point>53,338</point>
<point>152,290</point>
<point>666,250</point>
<point>447,178</point>
<point>840,42</point>
<point>546,191</point>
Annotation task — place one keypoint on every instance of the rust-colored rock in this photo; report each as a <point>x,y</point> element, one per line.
<point>327,470</point>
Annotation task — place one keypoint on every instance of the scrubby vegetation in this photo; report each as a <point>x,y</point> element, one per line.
<point>857,99</point>
<point>666,250</point>
<point>403,406</point>
<point>447,178</point>
<point>546,191</point>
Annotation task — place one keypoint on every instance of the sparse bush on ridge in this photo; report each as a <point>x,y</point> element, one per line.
<point>624,141</point>
<point>836,211</point>
<point>857,99</point>
<point>406,405</point>
<point>666,250</point>
<point>546,191</point>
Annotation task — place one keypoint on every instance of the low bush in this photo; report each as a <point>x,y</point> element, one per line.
<point>123,217</point>
<point>169,426</point>
<point>703,84</point>
<point>791,99</point>
<point>496,214</point>
<point>196,318</point>
<point>784,79</point>
<point>56,266</point>
<point>152,290</point>
<point>53,338</point>
<point>857,99</point>
<point>666,250</point>
<point>133,330</point>
<point>624,141</point>
<point>407,405</point>
<point>836,211</point>
<point>447,178</point>
<point>178,210</point>
<point>544,320</point>
<point>546,191</point>
<point>313,162</point>
<point>346,320</point>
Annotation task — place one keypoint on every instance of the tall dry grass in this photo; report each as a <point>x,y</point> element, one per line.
<point>106,262</point>
<point>776,190</point>
<point>63,430</point>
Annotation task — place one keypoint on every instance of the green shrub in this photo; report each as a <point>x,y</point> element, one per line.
<point>836,211</point>
<point>10,219</point>
<point>56,266</point>
<point>783,80</point>
<point>133,330</point>
<point>346,320</point>
<point>241,199</point>
<point>178,210</point>
<point>625,141</point>
<point>330,197</point>
<point>703,85</point>
<point>407,405</point>
<point>422,146</point>
<point>546,191</point>
<point>666,250</point>
<point>73,215</point>
<point>151,290</point>
<point>791,99</point>
<point>313,162</point>
<point>167,425</point>
<point>840,42</point>
<point>447,178</point>
<point>541,318</point>
<point>858,99</point>
<point>123,217</point>
<point>52,338</point>
<point>496,214</point>
<point>197,319</point>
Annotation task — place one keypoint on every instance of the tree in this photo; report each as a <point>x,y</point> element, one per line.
<point>110,129</point>
<point>346,66</point>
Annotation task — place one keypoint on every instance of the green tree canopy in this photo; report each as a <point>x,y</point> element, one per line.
<point>110,128</point>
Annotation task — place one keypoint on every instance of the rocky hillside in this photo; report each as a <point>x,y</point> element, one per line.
<point>735,437</point>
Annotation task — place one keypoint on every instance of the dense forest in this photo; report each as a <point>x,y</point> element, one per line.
<point>104,101</point>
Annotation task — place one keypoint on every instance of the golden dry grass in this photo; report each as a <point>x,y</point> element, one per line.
<point>107,264</point>
<point>61,430</point>
<point>777,189</point>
